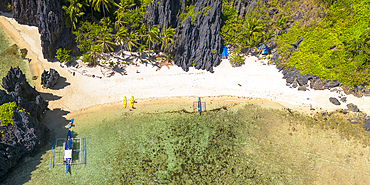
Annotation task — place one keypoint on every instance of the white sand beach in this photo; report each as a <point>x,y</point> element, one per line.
<point>252,82</point>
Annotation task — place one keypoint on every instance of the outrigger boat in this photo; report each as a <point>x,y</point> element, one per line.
<point>199,106</point>
<point>62,150</point>
<point>67,153</point>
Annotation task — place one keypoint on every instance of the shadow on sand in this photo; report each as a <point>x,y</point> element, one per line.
<point>61,83</point>
<point>49,96</point>
<point>55,121</point>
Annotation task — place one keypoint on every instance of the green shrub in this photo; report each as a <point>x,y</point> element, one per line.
<point>63,55</point>
<point>6,113</point>
<point>86,58</point>
<point>236,58</point>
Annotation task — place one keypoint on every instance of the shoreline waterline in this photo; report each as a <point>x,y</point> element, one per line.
<point>260,84</point>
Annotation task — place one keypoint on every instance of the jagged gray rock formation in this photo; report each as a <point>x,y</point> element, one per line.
<point>165,13</point>
<point>4,5</point>
<point>25,11</point>
<point>54,33</point>
<point>22,93</point>
<point>197,41</point>
<point>49,79</point>
<point>27,133</point>
<point>19,140</point>
<point>47,15</point>
<point>201,41</point>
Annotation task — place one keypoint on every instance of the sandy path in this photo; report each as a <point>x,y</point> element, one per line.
<point>253,81</point>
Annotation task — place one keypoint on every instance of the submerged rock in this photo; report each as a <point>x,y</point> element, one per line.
<point>367,124</point>
<point>49,79</point>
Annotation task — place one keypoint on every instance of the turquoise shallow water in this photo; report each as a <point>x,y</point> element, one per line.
<point>125,147</point>
<point>239,144</point>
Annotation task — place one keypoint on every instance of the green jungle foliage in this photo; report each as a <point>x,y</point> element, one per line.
<point>336,48</point>
<point>245,31</point>
<point>236,58</point>
<point>74,11</point>
<point>124,28</point>
<point>6,113</point>
<point>336,35</point>
<point>186,149</point>
<point>63,55</point>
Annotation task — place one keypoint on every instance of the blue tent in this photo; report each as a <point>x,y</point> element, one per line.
<point>224,51</point>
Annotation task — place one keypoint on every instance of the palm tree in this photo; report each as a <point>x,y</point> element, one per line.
<point>74,11</point>
<point>94,53</point>
<point>105,4</point>
<point>252,27</point>
<point>105,39</point>
<point>120,36</point>
<point>152,35</point>
<point>143,34</point>
<point>131,40</point>
<point>105,36</point>
<point>123,6</point>
<point>167,37</point>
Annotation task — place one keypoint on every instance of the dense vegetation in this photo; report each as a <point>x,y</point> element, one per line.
<point>117,25</point>
<point>336,48</point>
<point>336,35</point>
<point>6,113</point>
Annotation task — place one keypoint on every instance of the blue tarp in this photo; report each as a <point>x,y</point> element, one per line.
<point>224,51</point>
<point>264,49</point>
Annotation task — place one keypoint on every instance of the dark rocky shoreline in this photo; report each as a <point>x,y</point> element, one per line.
<point>27,134</point>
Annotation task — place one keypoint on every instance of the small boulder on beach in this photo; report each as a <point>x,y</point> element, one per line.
<point>302,88</point>
<point>334,101</point>
<point>353,107</point>
<point>49,79</point>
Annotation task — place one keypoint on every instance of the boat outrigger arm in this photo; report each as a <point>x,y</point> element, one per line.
<point>199,106</point>
<point>68,151</point>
